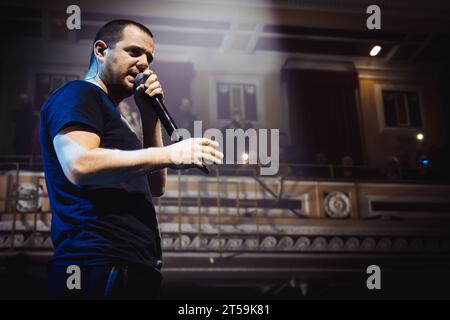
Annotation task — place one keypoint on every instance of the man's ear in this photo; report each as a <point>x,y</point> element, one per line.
<point>100,47</point>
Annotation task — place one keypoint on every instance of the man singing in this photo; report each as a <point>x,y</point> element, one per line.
<point>101,178</point>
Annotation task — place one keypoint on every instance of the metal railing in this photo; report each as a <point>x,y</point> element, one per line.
<point>304,171</point>
<point>14,169</point>
<point>332,172</point>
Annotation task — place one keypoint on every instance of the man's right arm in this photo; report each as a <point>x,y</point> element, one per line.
<point>84,162</point>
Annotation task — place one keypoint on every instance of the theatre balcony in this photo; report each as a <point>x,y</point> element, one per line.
<point>309,232</point>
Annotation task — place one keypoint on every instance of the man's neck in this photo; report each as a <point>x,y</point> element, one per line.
<point>99,82</point>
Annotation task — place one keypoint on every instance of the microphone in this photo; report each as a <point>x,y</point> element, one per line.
<point>164,116</point>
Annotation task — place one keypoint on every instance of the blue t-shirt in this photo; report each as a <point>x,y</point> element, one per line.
<point>96,224</point>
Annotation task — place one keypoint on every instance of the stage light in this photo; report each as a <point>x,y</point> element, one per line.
<point>420,136</point>
<point>424,161</point>
<point>375,50</point>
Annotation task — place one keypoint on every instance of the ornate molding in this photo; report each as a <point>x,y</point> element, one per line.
<point>337,205</point>
<point>308,244</point>
<point>264,243</point>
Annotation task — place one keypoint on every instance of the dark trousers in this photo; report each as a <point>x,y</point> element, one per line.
<point>97,282</point>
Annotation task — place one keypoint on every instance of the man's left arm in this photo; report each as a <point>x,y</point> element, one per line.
<point>151,128</point>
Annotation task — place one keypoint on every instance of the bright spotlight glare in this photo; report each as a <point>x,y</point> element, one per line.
<point>375,50</point>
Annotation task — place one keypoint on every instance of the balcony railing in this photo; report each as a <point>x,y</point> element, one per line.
<point>198,215</point>
<point>304,171</point>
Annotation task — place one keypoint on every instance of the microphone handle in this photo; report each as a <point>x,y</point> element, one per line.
<point>167,120</point>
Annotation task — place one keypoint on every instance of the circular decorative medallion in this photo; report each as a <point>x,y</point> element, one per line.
<point>29,197</point>
<point>337,205</point>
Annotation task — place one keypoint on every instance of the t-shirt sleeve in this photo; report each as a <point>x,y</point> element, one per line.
<point>77,103</point>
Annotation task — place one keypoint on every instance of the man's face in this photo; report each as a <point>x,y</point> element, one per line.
<point>130,56</point>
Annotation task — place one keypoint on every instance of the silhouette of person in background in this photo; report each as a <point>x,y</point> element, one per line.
<point>347,164</point>
<point>289,154</point>
<point>237,122</point>
<point>393,168</point>
<point>24,118</point>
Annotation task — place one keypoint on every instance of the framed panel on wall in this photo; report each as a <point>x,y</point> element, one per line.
<point>399,108</point>
<point>242,95</point>
<point>236,97</point>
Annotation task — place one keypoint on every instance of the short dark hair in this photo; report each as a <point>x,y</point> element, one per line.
<point>112,32</point>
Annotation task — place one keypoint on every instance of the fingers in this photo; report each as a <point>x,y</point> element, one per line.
<point>208,142</point>
<point>152,85</point>
<point>196,151</point>
<point>212,151</point>
<point>210,154</point>
<point>140,88</point>
<point>209,159</point>
<point>204,149</point>
<point>151,77</point>
<point>147,72</point>
<point>154,89</point>
<point>198,163</point>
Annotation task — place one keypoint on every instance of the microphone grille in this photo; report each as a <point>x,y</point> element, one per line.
<point>140,79</point>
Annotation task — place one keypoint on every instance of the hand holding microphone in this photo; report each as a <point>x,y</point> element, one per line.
<point>184,154</point>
